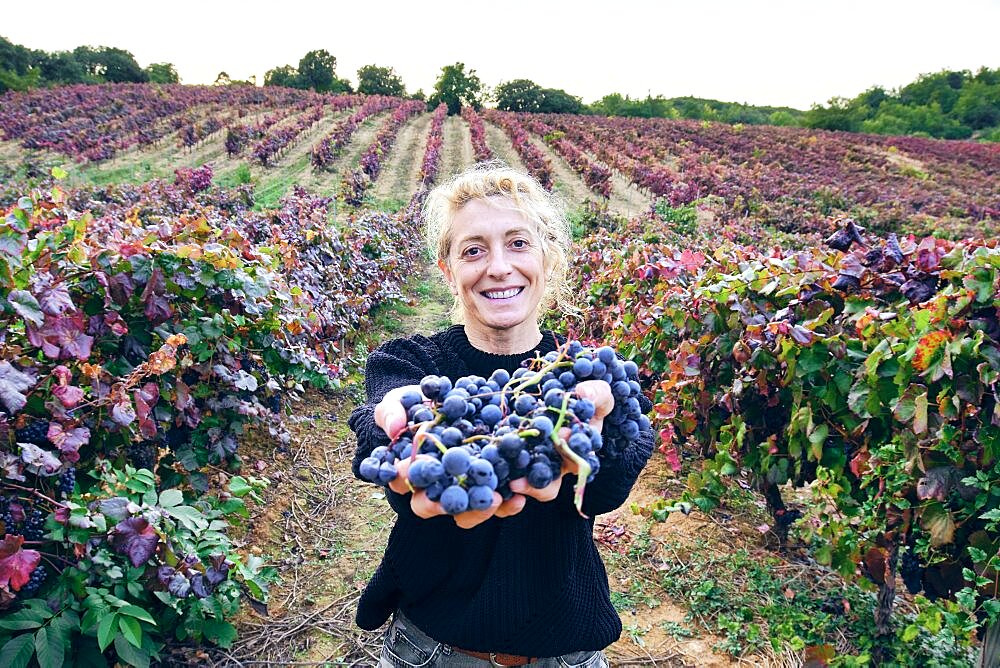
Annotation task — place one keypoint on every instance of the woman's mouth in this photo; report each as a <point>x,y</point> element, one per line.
<point>502,294</point>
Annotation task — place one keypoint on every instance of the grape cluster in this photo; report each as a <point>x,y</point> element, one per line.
<point>67,481</point>
<point>33,527</point>
<point>37,433</point>
<point>912,571</point>
<point>143,455</point>
<point>35,581</point>
<point>483,433</point>
<point>6,514</point>
<point>21,519</point>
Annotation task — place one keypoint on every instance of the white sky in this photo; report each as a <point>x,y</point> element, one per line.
<point>762,52</point>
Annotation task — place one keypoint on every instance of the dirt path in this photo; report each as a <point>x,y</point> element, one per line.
<point>457,148</point>
<point>401,173</point>
<point>626,197</point>
<point>501,146</point>
<point>10,152</point>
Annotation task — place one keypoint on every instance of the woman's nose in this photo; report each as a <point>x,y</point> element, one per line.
<point>499,263</point>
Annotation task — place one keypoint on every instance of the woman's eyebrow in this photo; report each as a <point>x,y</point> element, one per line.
<point>480,237</point>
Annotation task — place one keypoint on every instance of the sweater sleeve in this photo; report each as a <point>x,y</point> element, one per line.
<point>394,364</point>
<point>614,481</point>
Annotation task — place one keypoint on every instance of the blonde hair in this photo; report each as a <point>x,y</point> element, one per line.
<point>494,178</point>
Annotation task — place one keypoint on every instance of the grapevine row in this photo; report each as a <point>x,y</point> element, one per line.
<point>532,157</point>
<point>432,151</point>
<point>277,140</point>
<point>327,150</point>
<point>357,181</point>
<point>595,175</point>
<point>478,132</point>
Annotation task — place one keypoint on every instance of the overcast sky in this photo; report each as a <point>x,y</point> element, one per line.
<point>793,53</point>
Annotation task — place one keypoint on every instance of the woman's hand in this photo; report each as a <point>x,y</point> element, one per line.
<point>598,392</point>
<point>390,415</point>
<point>391,418</point>
<point>425,508</point>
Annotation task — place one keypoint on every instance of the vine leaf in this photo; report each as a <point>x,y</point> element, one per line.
<point>13,385</point>
<point>136,539</point>
<point>16,564</point>
<point>26,306</point>
<point>18,651</point>
<point>938,523</point>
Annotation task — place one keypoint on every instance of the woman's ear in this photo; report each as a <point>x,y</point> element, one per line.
<point>443,266</point>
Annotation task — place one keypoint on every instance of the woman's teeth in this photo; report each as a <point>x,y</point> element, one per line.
<point>505,294</point>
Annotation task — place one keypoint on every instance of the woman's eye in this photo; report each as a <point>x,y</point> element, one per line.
<point>520,243</point>
<point>471,252</point>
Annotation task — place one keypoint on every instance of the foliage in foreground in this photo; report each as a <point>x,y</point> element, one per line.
<point>867,371</point>
<point>142,339</point>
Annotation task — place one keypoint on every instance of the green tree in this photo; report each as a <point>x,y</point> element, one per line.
<point>162,73</point>
<point>285,75</point>
<point>519,95</point>
<point>456,87</point>
<point>375,80</point>
<point>317,70</point>
<point>15,58</point>
<point>941,87</point>
<point>120,66</point>
<point>838,116</point>
<point>978,105</point>
<point>62,67</point>
<point>558,101</point>
<point>223,79</point>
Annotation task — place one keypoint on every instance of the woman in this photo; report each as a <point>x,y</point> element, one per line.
<point>519,583</point>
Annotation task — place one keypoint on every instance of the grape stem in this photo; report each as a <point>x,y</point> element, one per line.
<point>582,464</point>
<point>36,493</point>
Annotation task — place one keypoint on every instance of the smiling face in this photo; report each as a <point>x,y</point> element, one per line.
<point>496,269</point>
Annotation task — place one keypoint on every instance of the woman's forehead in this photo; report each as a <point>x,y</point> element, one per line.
<point>481,218</point>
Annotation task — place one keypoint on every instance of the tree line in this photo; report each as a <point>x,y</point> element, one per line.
<point>951,104</point>
<point>22,68</point>
<point>947,104</point>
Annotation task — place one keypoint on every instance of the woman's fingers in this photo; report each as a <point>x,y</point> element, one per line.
<point>471,518</point>
<point>512,506</point>
<point>390,416</point>
<point>399,484</point>
<point>599,392</point>
<point>547,493</point>
<point>424,507</point>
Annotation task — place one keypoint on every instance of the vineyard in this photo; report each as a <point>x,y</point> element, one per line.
<point>193,278</point>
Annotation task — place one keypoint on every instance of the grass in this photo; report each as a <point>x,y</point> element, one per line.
<point>136,173</point>
<point>757,603</point>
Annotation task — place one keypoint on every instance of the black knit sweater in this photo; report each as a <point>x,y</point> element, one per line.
<point>531,584</point>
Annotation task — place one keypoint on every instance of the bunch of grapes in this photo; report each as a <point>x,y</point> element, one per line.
<point>37,433</point>
<point>33,527</point>
<point>21,519</point>
<point>912,571</point>
<point>35,581</point>
<point>67,481</point>
<point>483,433</point>
<point>7,514</point>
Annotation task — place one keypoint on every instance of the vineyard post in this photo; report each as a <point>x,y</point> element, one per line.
<point>989,657</point>
<point>883,608</point>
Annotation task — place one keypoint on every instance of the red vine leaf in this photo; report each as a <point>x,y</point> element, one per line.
<point>136,539</point>
<point>16,564</point>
